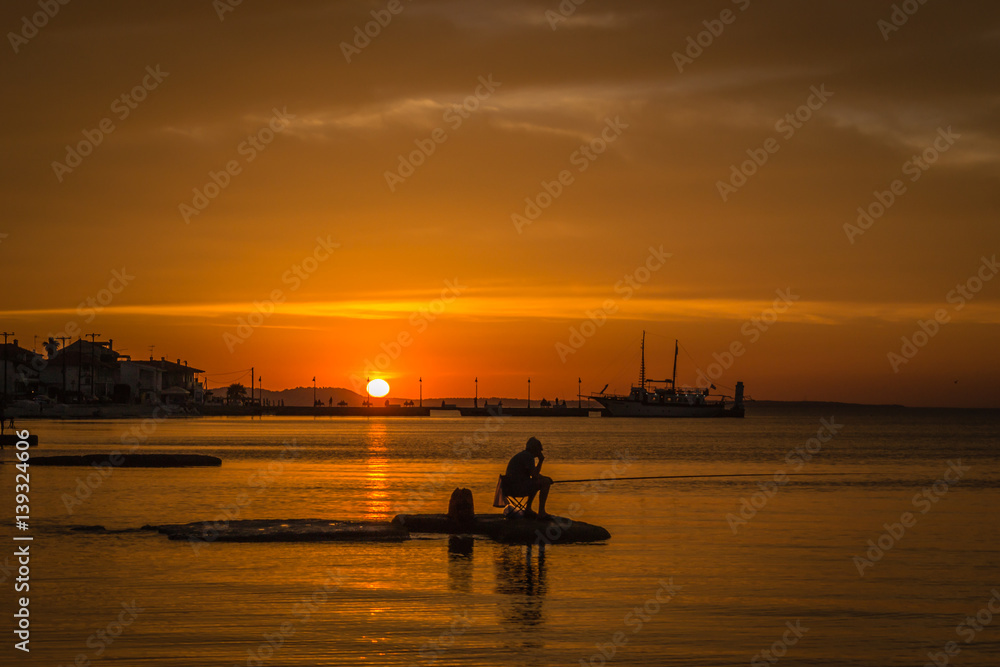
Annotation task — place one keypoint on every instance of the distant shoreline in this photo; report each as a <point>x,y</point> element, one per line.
<point>111,412</point>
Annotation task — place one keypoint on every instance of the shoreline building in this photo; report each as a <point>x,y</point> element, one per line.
<point>179,382</point>
<point>82,371</point>
<point>93,372</point>
<point>18,371</point>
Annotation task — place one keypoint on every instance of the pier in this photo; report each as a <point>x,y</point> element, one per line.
<point>425,411</point>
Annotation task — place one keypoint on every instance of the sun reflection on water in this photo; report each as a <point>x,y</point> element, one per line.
<point>376,478</point>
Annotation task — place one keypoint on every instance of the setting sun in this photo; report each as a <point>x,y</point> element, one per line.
<point>378,388</point>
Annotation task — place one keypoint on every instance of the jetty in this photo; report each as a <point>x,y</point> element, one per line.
<point>283,530</point>
<point>460,520</point>
<point>554,530</point>
<point>520,530</point>
<point>130,460</point>
<point>418,411</point>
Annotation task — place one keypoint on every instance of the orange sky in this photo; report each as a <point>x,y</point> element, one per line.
<point>391,245</point>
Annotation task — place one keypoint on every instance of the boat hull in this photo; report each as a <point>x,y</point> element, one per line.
<point>629,408</point>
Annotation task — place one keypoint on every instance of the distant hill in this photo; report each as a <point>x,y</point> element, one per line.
<point>806,405</point>
<point>304,396</point>
<point>815,404</point>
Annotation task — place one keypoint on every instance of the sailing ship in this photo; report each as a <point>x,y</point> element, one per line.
<point>662,398</point>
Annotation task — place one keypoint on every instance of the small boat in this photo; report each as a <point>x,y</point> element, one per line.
<point>666,400</point>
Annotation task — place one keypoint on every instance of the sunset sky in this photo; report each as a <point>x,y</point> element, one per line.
<point>444,256</point>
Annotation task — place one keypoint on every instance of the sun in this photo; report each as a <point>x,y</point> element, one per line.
<point>378,388</point>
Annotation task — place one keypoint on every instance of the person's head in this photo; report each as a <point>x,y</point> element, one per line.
<point>534,446</point>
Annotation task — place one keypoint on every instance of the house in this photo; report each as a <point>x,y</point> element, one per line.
<point>82,371</point>
<point>179,382</point>
<point>19,369</point>
<point>88,371</point>
<point>137,382</point>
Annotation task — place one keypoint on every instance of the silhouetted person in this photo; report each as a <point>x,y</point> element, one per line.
<point>524,478</point>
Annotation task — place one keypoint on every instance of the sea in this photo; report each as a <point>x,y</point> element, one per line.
<point>868,537</point>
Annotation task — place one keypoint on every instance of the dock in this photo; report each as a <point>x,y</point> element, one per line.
<point>426,411</point>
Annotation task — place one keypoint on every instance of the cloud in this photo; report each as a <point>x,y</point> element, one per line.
<point>494,304</point>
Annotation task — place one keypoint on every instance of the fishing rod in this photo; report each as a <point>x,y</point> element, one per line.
<point>756,474</point>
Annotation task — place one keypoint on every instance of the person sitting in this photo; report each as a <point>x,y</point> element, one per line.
<point>523,477</point>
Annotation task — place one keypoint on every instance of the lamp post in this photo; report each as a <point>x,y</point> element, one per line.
<point>579,392</point>
<point>314,391</point>
<point>529,393</point>
<point>368,393</point>
<point>421,379</point>
<point>475,401</point>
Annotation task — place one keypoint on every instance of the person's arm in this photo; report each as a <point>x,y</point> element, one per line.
<point>538,468</point>
<point>530,469</point>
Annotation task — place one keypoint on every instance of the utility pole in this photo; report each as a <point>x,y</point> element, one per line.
<point>529,393</point>
<point>79,369</point>
<point>62,353</point>
<point>5,334</point>
<point>476,400</point>
<point>579,392</point>
<point>93,364</point>
<point>251,385</point>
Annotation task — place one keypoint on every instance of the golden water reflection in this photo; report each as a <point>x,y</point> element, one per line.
<point>520,580</point>
<point>460,566</point>
<point>377,506</point>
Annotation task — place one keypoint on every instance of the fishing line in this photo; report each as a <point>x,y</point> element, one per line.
<point>757,474</point>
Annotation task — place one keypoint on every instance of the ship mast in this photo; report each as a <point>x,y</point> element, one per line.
<point>673,382</point>
<point>642,363</point>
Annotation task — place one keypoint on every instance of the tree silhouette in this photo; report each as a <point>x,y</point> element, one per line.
<point>236,393</point>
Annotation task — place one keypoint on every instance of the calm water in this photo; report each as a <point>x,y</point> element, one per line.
<point>435,601</point>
